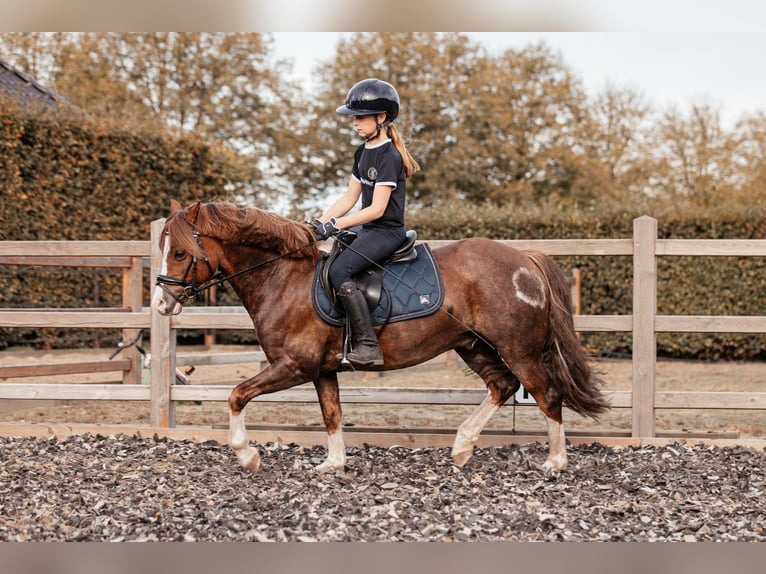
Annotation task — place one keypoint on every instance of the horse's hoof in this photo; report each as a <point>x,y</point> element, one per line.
<point>327,467</point>
<point>254,465</point>
<point>460,458</point>
<point>551,467</point>
<point>249,459</point>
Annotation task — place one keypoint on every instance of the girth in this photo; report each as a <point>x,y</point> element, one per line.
<point>369,281</point>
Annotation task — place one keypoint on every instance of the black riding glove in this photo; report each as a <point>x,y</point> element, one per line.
<point>324,230</point>
<point>316,225</point>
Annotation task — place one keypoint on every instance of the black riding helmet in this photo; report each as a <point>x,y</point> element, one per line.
<point>369,97</point>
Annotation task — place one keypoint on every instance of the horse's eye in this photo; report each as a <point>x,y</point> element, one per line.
<point>179,255</point>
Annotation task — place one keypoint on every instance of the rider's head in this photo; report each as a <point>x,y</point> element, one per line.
<point>372,97</point>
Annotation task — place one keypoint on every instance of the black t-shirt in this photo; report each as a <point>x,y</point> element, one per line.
<point>381,165</point>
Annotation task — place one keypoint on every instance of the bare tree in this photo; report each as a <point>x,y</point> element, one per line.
<point>693,155</point>
<point>750,157</point>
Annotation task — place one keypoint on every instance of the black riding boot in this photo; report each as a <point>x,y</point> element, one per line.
<point>365,349</point>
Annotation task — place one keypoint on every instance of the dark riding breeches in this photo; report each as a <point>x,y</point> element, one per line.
<point>370,245</point>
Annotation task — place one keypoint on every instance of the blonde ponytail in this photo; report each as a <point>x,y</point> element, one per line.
<point>410,165</point>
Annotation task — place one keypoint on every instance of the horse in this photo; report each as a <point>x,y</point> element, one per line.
<point>507,314</point>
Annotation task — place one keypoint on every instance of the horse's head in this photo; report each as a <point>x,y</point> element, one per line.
<point>187,266</point>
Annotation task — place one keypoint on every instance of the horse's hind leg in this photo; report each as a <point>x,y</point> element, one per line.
<point>536,381</point>
<point>501,384</point>
<point>557,447</point>
<point>470,429</point>
<point>329,401</point>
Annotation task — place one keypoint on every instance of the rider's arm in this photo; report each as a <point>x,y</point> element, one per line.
<point>345,202</point>
<point>372,212</point>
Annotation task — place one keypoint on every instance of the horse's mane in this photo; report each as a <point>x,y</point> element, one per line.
<point>242,225</point>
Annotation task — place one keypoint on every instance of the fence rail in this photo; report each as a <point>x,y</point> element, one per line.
<point>134,256</point>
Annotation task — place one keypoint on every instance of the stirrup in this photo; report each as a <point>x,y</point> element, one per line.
<point>348,363</point>
<point>342,358</point>
<point>376,361</point>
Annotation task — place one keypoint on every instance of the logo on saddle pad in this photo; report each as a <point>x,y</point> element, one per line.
<point>400,291</point>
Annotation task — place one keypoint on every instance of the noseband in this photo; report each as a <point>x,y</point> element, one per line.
<point>191,288</point>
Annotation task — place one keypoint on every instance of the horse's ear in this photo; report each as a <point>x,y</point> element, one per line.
<point>175,206</point>
<point>193,213</point>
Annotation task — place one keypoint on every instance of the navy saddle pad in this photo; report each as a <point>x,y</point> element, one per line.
<point>411,289</point>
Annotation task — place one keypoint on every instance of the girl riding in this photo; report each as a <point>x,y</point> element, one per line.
<point>381,166</point>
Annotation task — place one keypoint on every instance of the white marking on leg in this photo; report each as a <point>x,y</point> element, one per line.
<point>336,452</point>
<point>247,456</point>
<point>529,287</point>
<point>557,447</point>
<point>468,432</point>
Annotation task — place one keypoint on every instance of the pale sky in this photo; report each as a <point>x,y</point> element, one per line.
<point>722,68</point>
<point>672,51</point>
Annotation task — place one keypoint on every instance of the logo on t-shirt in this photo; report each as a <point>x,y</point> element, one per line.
<point>372,174</point>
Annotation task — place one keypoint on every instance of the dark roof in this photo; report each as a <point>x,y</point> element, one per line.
<point>23,89</point>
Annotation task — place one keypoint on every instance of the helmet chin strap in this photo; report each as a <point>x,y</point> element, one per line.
<point>378,127</point>
<point>377,133</point>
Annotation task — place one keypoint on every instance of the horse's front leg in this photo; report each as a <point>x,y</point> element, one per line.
<point>329,401</point>
<point>276,377</point>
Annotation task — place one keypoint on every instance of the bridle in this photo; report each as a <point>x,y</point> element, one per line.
<point>192,289</point>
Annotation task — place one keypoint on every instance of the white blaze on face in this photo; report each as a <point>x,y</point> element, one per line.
<point>158,297</point>
<point>529,287</point>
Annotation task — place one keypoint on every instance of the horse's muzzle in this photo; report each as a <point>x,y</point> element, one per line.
<point>169,302</point>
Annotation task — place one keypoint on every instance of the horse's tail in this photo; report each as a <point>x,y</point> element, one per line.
<point>564,356</point>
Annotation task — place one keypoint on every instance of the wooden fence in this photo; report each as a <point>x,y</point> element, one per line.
<point>131,256</point>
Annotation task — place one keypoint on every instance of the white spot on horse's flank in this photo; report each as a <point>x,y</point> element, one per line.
<point>529,287</point>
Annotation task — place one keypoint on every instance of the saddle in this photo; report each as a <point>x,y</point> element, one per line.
<point>406,286</point>
<point>370,281</point>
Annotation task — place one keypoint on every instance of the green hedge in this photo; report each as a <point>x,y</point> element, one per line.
<point>69,178</point>
<point>78,180</point>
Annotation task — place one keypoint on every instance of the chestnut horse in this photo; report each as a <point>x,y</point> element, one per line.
<point>507,313</point>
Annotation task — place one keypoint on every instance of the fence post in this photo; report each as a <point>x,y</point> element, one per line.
<point>162,410</point>
<point>644,335</point>
<point>132,298</point>
<point>575,290</point>
<point>211,300</point>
